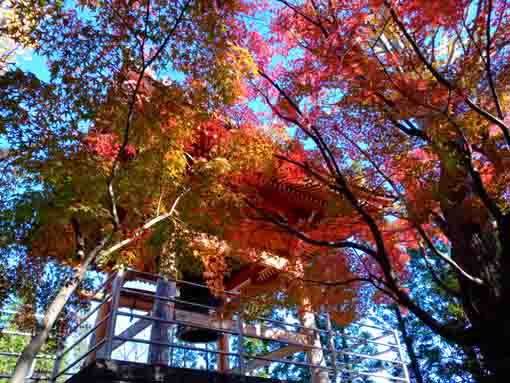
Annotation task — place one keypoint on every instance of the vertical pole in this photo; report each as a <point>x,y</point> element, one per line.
<point>172,333</point>
<point>162,309</point>
<point>401,356</point>
<point>409,347</point>
<point>222,359</point>
<point>207,356</point>
<point>315,355</point>
<point>57,363</point>
<point>31,370</point>
<point>240,337</point>
<point>332,347</point>
<point>117,285</point>
<point>99,334</point>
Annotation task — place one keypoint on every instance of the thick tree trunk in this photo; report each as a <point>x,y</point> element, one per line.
<point>408,341</point>
<point>478,248</point>
<point>29,353</point>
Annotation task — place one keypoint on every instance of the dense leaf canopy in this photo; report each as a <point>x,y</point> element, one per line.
<point>317,141</point>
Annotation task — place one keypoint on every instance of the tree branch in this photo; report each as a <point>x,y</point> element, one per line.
<point>145,66</point>
<point>447,259</point>
<point>442,80</point>
<point>141,230</point>
<point>306,17</point>
<point>488,44</point>
<point>299,234</point>
<point>436,277</point>
<point>337,283</point>
<point>316,137</point>
<point>80,241</point>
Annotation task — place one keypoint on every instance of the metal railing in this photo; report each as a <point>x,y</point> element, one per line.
<point>11,342</point>
<point>121,325</point>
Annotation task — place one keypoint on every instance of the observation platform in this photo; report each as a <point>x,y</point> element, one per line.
<point>143,328</point>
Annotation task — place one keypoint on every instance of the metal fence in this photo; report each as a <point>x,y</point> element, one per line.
<point>131,321</point>
<point>12,341</point>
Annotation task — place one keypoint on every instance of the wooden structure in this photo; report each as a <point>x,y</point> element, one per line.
<point>124,310</point>
<point>165,306</point>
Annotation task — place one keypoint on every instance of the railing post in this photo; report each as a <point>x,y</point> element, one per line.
<point>332,347</point>
<point>57,363</point>
<point>240,350</point>
<point>117,285</point>
<point>401,356</point>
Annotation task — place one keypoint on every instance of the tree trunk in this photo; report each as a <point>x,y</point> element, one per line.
<point>29,353</point>
<point>415,366</point>
<point>482,250</point>
<point>476,248</point>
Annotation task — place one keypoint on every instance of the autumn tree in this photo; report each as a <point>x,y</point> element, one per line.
<point>104,142</point>
<point>402,141</point>
<point>404,105</point>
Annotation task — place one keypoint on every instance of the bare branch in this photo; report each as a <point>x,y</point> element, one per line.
<point>436,277</point>
<point>141,230</point>
<point>306,17</point>
<point>317,138</point>
<point>337,283</point>
<point>447,259</point>
<point>443,81</point>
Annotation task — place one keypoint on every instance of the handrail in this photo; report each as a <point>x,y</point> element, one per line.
<point>102,286</point>
<point>176,321</point>
<point>180,281</point>
<point>165,299</point>
<point>175,345</point>
<point>13,354</point>
<point>293,362</point>
<point>290,336</point>
<point>231,332</point>
<point>92,312</point>
<point>218,329</point>
<point>81,338</point>
<point>90,351</point>
<point>363,341</point>
<point>313,329</point>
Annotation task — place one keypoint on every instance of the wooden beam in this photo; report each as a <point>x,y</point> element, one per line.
<point>131,332</point>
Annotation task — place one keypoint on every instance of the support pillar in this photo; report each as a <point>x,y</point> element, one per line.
<point>100,333</point>
<point>315,356</point>
<point>222,359</point>
<point>163,309</point>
